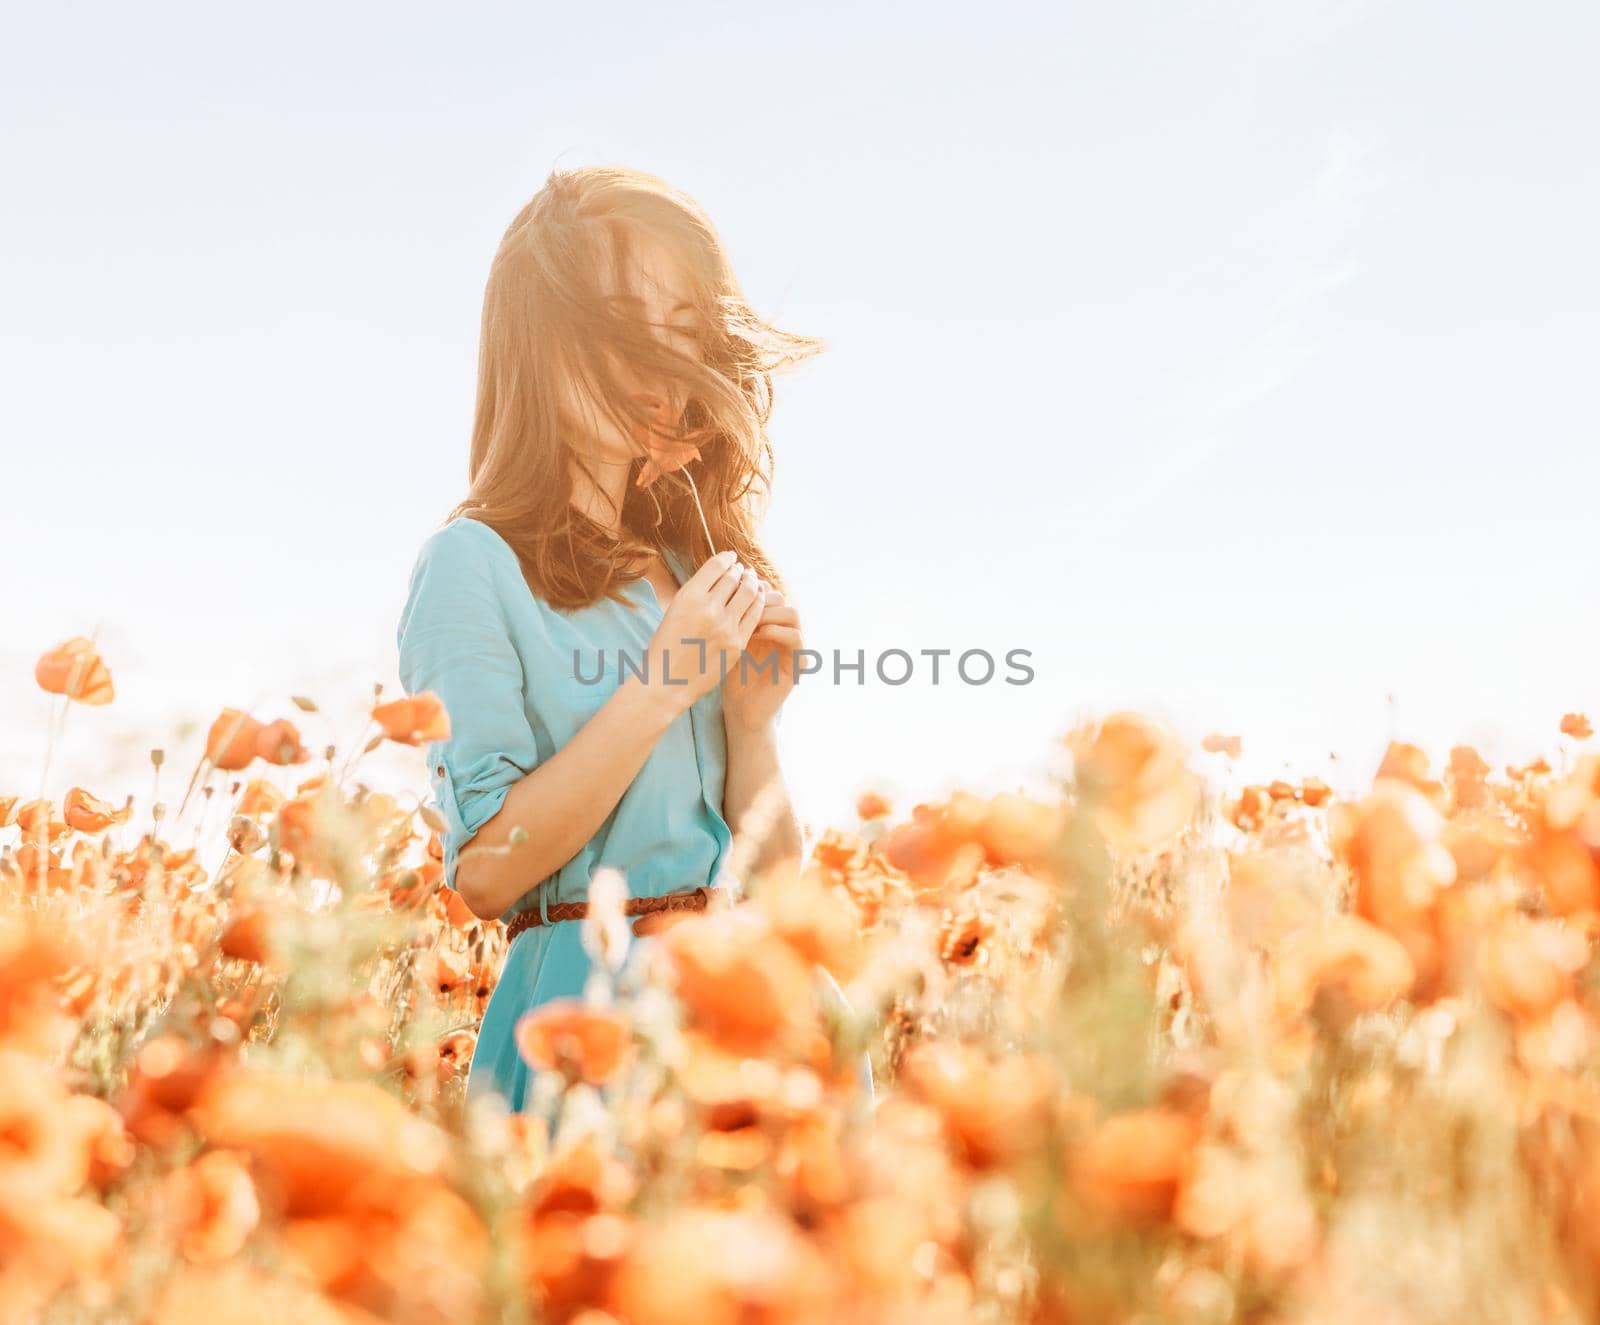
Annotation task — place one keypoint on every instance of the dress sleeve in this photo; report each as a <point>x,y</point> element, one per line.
<point>454,640</point>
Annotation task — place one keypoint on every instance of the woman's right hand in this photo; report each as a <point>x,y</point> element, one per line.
<point>704,630</point>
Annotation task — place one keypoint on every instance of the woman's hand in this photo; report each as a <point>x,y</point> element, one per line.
<point>704,630</point>
<point>752,696</point>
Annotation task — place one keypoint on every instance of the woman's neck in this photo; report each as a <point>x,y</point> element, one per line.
<point>598,490</point>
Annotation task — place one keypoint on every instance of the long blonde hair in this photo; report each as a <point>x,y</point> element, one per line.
<point>547,321</point>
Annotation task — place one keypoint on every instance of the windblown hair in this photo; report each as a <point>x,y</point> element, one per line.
<point>547,320</point>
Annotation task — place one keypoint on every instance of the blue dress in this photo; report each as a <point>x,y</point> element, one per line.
<point>502,661</point>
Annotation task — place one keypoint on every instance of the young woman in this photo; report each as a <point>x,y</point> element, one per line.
<point>619,458</point>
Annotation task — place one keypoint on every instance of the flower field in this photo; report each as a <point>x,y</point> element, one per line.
<point>1144,1051</point>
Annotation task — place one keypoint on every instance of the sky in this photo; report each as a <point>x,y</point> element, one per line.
<point>1237,360</point>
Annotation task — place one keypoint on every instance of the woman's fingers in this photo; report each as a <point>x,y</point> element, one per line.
<point>745,605</point>
<point>785,637</point>
<point>780,614</point>
<point>727,584</point>
<point>712,570</point>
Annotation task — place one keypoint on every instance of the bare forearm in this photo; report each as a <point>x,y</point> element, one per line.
<point>562,802</point>
<point>755,797</point>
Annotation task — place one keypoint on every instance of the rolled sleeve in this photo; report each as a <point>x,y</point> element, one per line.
<point>454,640</point>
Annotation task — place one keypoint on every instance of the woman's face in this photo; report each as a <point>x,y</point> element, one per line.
<point>655,291</point>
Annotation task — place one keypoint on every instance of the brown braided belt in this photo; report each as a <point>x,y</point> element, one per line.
<point>696,900</point>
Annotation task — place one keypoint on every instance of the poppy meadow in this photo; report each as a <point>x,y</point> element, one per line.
<point>1144,1050</point>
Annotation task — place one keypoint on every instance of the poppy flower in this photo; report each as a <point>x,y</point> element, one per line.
<point>214,1205</point>
<point>259,799</point>
<point>585,1043</point>
<point>1367,966</point>
<point>318,1140</point>
<point>1527,966</point>
<point>872,805</point>
<point>90,814</point>
<point>414,720</point>
<point>962,936</point>
<point>231,742</point>
<point>236,1291</point>
<point>1134,1164</point>
<point>738,980</point>
<point>279,743</point>
<point>764,1269</point>
<point>75,669</point>
<point>1132,769</point>
<point>663,453</point>
<point>994,1110</point>
<point>1393,844</point>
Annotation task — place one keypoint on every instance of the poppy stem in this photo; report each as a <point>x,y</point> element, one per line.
<point>699,510</point>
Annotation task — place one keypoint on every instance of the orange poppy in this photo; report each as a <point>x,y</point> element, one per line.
<point>442,970</point>
<point>111,1150</point>
<point>231,742</point>
<point>738,980</point>
<point>34,958</point>
<point>1392,842</point>
<point>90,814</point>
<point>1133,1164</point>
<point>236,1293</point>
<point>1251,809</point>
<point>568,1036</point>
<point>279,743</point>
<point>818,919</point>
<point>962,937</point>
<point>168,1077</point>
<point>1527,965</point>
<point>1468,773</point>
<point>1577,726</point>
<point>75,669</point>
<point>872,805</point>
<point>662,457</point>
<point>1368,967</point>
<point>213,1205</point>
<point>1132,774</point>
<point>258,799</point>
<point>1314,792</point>
<point>994,1110</point>
<point>764,1269</point>
<point>570,1259</point>
<point>1409,763</point>
<point>47,1152</point>
<point>317,1140</point>
<point>938,848</point>
<point>248,936</point>
<point>414,720</point>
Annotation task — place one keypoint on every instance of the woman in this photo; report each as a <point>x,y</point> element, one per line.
<point>619,451</point>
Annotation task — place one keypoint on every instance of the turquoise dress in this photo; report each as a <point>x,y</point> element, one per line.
<point>502,662</point>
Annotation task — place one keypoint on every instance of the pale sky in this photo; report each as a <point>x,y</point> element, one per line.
<point>1238,360</point>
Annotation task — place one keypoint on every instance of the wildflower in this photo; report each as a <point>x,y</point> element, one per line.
<point>581,1042</point>
<point>414,720</point>
<point>90,814</point>
<point>1134,780</point>
<point>75,669</point>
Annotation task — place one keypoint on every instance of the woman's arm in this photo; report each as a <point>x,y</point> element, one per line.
<point>755,797</point>
<point>562,802</point>
<point>490,776</point>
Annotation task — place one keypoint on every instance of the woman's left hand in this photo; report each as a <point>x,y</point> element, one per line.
<point>752,699</point>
